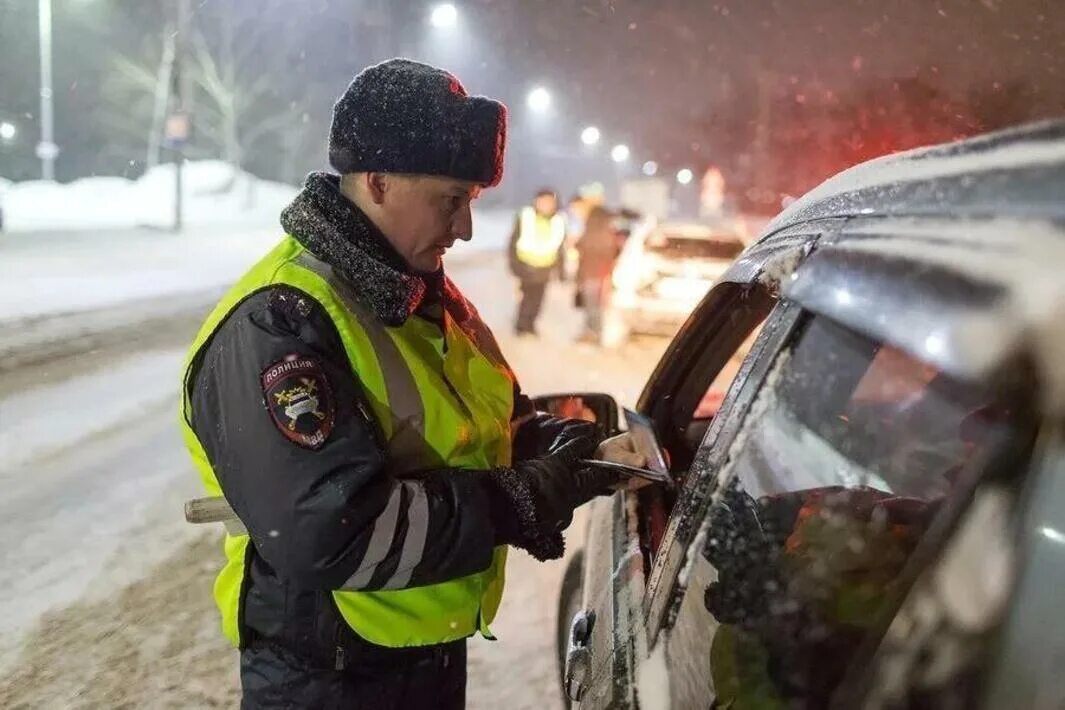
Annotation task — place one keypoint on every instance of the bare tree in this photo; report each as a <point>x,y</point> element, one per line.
<point>234,113</point>
<point>235,102</point>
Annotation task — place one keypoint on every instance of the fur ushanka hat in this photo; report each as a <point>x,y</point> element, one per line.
<point>403,116</point>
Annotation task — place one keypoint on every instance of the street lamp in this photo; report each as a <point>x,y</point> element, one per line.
<point>685,176</point>
<point>8,131</point>
<point>619,153</point>
<point>444,16</point>
<point>539,99</point>
<point>590,135</point>
<point>650,168</point>
<point>46,148</point>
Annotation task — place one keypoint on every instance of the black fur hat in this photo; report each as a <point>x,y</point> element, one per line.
<point>403,116</point>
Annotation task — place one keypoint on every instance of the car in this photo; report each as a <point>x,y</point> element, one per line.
<point>664,270</point>
<point>873,515</point>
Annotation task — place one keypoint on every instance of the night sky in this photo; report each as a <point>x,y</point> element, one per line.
<point>685,83</point>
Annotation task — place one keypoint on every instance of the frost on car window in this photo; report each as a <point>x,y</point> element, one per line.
<point>838,481</point>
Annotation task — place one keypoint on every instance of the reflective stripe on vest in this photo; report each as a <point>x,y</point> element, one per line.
<point>431,415</point>
<point>405,428</point>
<point>539,238</point>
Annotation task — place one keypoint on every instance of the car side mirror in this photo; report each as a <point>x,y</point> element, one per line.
<point>590,406</point>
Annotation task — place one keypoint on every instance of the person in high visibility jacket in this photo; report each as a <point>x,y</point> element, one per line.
<point>536,252</point>
<point>357,415</point>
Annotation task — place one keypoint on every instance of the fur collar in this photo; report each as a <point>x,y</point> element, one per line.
<point>335,230</point>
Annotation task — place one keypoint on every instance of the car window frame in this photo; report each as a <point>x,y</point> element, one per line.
<point>705,344</point>
<point>613,655</point>
<point>661,595</point>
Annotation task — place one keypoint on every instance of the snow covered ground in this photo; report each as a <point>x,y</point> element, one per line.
<point>64,272</point>
<point>118,393</point>
<point>106,597</point>
<point>107,574</point>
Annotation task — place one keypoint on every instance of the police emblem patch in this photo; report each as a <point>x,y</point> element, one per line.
<point>299,400</point>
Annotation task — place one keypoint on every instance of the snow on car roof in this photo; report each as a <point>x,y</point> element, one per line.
<point>954,253</point>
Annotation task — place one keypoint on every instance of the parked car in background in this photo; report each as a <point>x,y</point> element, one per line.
<point>874,513</point>
<point>663,272</point>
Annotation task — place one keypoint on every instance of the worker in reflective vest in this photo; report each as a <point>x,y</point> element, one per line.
<point>359,419</point>
<point>535,254</point>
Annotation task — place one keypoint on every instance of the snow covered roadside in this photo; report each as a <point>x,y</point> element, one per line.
<point>57,273</point>
<point>66,487</point>
<point>45,274</point>
<point>36,422</point>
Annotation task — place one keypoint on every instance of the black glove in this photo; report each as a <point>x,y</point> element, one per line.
<point>533,501</point>
<point>559,483</point>
<point>544,433</point>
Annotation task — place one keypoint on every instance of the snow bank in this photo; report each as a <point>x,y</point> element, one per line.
<point>215,193</point>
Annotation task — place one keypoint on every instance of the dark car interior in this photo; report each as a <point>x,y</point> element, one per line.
<point>700,353</point>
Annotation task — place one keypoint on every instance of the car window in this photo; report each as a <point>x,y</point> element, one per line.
<point>848,454</point>
<point>715,393</point>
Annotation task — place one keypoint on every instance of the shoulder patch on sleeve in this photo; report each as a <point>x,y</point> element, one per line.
<point>299,400</point>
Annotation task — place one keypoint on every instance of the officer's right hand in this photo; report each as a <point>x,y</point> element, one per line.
<point>533,499</point>
<point>560,483</point>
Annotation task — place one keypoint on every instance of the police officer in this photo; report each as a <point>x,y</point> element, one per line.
<point>356,413</point>
<point>536,251</point>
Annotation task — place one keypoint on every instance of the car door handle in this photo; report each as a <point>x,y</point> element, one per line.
<point>579,654</point>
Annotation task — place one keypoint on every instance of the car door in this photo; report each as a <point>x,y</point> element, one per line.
<point>624,531</point>
<point>849,467</point>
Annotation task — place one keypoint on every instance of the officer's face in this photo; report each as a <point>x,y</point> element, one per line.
<point>422,216</point>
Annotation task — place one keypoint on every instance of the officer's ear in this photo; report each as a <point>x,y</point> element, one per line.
<point>377,184</point>
<point>365,188</point>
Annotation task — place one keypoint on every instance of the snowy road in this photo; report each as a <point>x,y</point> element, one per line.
<point>106,592</point>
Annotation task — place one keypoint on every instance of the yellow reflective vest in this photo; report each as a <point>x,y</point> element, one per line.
<point>454,391</point>
<point>539,238</point>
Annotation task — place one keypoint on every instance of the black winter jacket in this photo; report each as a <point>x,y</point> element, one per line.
<point>312,510</point>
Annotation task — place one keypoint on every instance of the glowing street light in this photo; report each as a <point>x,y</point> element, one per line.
<point>590,135</point>
<point>539,99</point>
<point>444,16</point>
<point>619,153</point>
<point>8,131</point>
<point>685,176</point>
<point>650,168</point>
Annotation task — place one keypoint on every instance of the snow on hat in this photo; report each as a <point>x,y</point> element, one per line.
<point>403,116</point>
